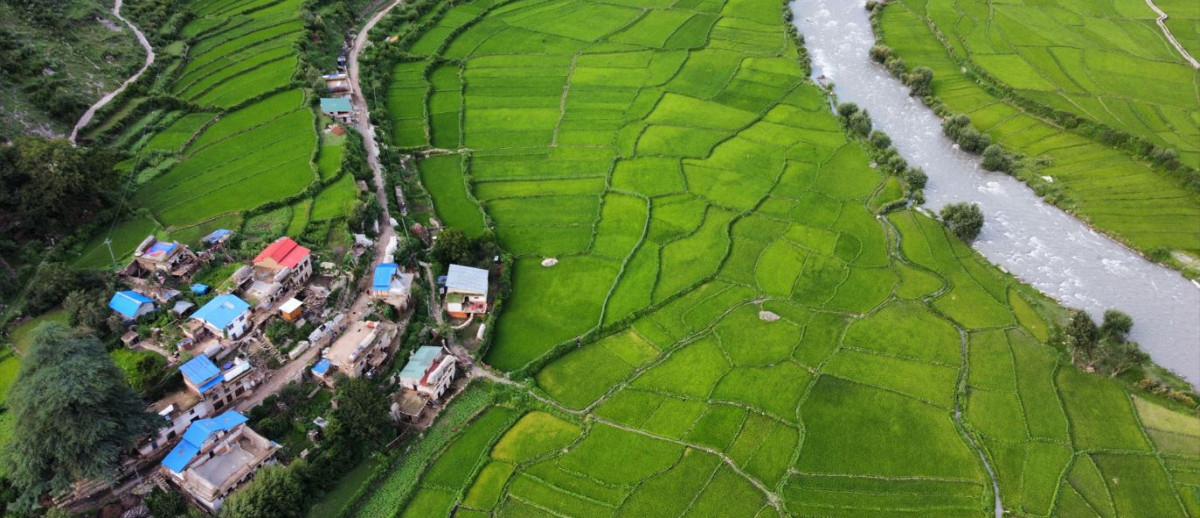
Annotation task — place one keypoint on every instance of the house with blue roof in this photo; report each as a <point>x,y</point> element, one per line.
<point>338,108</point>
<point>391,285</point>
<point>225,315</point>
<point>165,256</point>
<point>131,304</point>
<point>215,456</point>
<point>219,386</point>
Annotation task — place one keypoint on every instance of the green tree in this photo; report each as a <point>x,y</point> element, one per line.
<point>361,417</point>
<point>50,185</point>
<point>995,159</point>
<point>1082,335</point>
<point>54,282</point>
<point>916,177</point>
<point>1116,325</point>
<point>451,246</point>
<point>880,139</point>
<point>166,504</point>
<point>965,220</point>
<point>1119,357</point>
<point>859,123</point>
<point>274,492</point>
<point>143,369</point>
<point>880,53</point>
<point>69,389</point>
<point>920,81</point>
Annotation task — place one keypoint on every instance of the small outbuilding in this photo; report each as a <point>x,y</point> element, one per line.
<point>338,108</point>
<point>130,304</point>
<point>291,310</point>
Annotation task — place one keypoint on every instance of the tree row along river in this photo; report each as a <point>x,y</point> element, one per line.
<point>1039,243</point>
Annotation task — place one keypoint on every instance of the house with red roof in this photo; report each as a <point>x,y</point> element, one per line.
<point>283,264</point>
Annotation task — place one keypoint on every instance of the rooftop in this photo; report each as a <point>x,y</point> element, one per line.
<point>467,279</point>
<point>346,349</point>
<point>335,104</point>
<point>217,235</point>
<point>284,251</point>
<point>199,370</point>
<point>127,303</point>
<point>222,310</point>
<point>195,437</point>
<point>420,361</point>
<point>290,306</point>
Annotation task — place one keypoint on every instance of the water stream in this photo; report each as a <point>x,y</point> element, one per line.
<point>1035,241</point>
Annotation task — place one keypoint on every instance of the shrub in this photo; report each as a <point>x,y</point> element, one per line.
<point>920,81</point>
<point>880,53</point>
<point>916,177</point>
<point>859,123</point>
<point>995,159</point>
<point>965,220</point>
<point>880,139</point>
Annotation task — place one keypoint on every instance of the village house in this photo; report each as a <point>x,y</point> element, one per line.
<point>429,371</point>
<point>219,386</point>
<point>338,108</point>
<point>215,456</point>
<point>178,410</point>
<point>171,257</point>
<point>363,346</point>
<point>283,264</point>
<point>466,291</point>
<point>392,285</point>
<point>130,304</point>
<point>217,238</point>
<point>291,310</point>
<point>338,83</point>
<point>226,316</point>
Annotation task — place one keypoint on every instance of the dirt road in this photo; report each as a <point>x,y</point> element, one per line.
<point>91,111</point>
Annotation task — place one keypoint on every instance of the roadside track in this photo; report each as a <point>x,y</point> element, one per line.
<point>91,111</point>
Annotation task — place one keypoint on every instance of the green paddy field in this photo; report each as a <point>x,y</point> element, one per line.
<point>759,340</point>
<point>1105,62</point>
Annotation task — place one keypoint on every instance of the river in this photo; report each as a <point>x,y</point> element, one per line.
<point>1037,242</point>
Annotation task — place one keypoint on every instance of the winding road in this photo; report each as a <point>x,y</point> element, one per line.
<point>91,111</point>
<point>362,123</point>
<point>1162,23</point>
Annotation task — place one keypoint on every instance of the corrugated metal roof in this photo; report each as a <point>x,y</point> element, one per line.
<point>420,361</point>
<point>321,367</point>
<point>199,369</point>
<point>222,310</point>
<point>196,435</point>
<point>335,104</point>
<point>127,303</point>
<point>383,276</point>
<point>467,279</point>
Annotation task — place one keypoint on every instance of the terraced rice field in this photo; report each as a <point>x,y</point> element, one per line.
<point>1096,65</point>
<point>765,344</point>
<point>250,138</point>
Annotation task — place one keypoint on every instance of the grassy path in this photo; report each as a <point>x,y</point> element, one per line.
<point>91,111</point>
<point>1161,21</point>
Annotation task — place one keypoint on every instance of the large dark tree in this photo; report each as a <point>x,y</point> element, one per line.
<point>965,220</point>
<point>274,492</point>
<point>361,418</point>
<point>451,246</point>
<point>74,414</point>
<point>1082,335</point>
<point>1117,325</point>
<point>49,186</point>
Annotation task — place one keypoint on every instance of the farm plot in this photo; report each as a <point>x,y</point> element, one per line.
<point>1088,75</point>
<point>1083,60</point>
<point>260,153</point>
<point>249,52</point>
<point>758,342</point>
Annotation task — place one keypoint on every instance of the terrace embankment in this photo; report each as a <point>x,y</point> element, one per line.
<point>1039,243</point>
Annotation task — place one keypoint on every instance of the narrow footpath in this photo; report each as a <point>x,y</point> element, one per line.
<point>91,111</point>
<point>1162,23</point>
